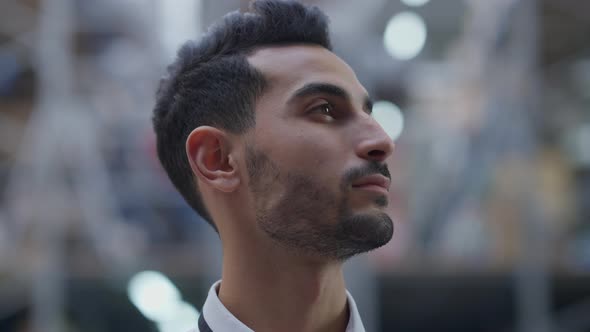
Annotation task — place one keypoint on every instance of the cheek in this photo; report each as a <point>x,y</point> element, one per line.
<point>305,147</point>
<point>300,146</point>
<point>318,159</point>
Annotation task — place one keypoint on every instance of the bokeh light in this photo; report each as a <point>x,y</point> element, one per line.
<point>390,117</point>
<point>405,35</point>
<point>154,295</point>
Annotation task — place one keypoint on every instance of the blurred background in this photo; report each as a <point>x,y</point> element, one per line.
<point>488,103</point>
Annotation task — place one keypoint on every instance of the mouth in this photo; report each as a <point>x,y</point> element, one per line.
<point>374,183</point>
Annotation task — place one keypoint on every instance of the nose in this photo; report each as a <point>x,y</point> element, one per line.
<point>375,144</point>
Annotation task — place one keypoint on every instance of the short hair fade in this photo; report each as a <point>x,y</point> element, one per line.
<point>211,83</point>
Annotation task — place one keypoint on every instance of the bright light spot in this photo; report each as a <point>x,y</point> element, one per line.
<point>184,319</point>
<point>179,21</point>
<point>415,3</point>
<point>405,35</point>
<point>154,295</point>
<point>390,117</point>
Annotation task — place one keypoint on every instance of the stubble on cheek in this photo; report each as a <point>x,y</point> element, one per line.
<point>262,172</point>
<point>285,195</point>
<point>304,220</point>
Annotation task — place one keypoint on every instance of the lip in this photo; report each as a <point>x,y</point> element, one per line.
<point>375,182</point>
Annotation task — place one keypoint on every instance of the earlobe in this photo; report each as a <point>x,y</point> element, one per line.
<point>209,152</point>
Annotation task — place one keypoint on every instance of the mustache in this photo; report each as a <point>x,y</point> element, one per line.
<point>374,167</point>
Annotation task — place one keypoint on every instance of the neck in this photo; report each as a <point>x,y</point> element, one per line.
<point>271,290</point>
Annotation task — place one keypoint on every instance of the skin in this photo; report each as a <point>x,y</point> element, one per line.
<point>298,217</point>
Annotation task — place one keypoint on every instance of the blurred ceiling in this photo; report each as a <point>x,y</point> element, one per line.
<point>564,29</point>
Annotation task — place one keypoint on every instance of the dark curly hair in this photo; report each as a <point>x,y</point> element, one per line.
<point>211,82</point>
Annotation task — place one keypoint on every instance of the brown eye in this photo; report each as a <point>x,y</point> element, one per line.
<point>324,109</point>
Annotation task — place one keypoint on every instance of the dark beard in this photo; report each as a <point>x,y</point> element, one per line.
<point>302,220</point>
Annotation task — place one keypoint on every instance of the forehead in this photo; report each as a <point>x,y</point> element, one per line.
<point>288,68</point>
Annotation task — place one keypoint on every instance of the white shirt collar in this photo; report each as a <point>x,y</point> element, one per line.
<point>220,319</point>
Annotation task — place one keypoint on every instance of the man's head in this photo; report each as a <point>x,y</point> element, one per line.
<point>262,121</point>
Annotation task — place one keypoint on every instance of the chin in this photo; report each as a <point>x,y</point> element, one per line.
<point>364,232</point>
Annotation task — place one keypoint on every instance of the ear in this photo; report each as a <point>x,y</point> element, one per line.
<point>209,151</point>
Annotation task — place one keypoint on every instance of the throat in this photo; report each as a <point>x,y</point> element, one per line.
<point>286,297</point>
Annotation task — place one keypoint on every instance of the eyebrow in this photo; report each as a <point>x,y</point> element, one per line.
<point>311,89</point>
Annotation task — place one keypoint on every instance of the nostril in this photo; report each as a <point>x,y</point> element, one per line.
<point>376,153</point>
